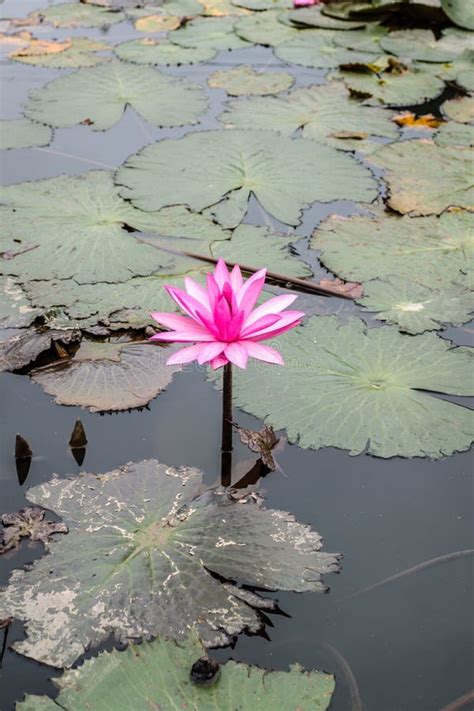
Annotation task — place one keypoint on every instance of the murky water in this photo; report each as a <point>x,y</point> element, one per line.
<point>408,644</point>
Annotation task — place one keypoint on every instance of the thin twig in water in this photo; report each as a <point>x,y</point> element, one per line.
<point>460,702</point>
<point>415,569</point>
<point>356,701</point>
<point>5,625</point>
<point>79,158</point>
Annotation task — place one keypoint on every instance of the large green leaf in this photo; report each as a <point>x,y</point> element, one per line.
<point>79,14</point>
<point>260,247</point>
<point>361,248</point>
<point>21,133</point>
<point>392,88</point>
<point>201,168</point>
<point>460,12</point>
<point>82,52</point>
<point>77,224</point>
<point>157,675</point>
<point>326,113</point>
<point>316,48</point>
<point>102,93</point>
<point>150,51</point>
<point>136,562</point>
<point>108,376</point>
<point>264,28</point>
<point>243,80</point>
<point>363,390</point>
<point>209,32</point>
<point>424,178</point>
<point>418,44</point>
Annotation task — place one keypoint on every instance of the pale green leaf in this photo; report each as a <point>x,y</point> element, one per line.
<point>264,28</point>
<point>80,15</point>
<point>209,33</point>
<point>81,53</point>
<point>21,133</point>
<point>460,109</point>
<point>461,12</point>
<point>243,80</point>
<point>150,51</point>
<point>316,48</point>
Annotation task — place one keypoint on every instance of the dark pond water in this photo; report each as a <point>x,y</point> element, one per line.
<point>406,646</point>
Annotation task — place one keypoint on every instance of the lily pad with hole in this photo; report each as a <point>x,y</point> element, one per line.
<point>244,80</point>
<point>80,15</point>
<point>101,95</point>
<point>360,248</point>
<point>119,678</point>
<point>259,247</point>
<point>265,28</point>
<point>145,556</point>
<point>460,109</point>
<point>21,133</point>
<point>108,376</point>
<point>226,167</point>
<point>324,113</point>
<point>209,32</point>
<point>80,228</point>
<point>417,44</point>
<point>81,52</point>
<point>150,51</point>
<point>416,307</point>
<point>460,12</point>
<point>424,178</point>
<point>316,48</point>
<point>400,87</point>
<point>364,390</point>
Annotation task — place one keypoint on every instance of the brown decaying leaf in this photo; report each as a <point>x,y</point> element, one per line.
<point>348,288</point>
<point>261,442</point>
<point>37,47</point>
<point>410,120</point>
<point>28,523</point>
<point>18,39</point>
<point>157,23</point>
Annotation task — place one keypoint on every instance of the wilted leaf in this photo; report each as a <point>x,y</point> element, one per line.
<point>318,111</point>
<point>28,523</point>
<point>157,23</point>
<point>316,48</point>
<point>261,442</point>
<point>243,80</point>
<point>79,14</point>
<point>424,179</point>
<point>365,390</point>
<point>460,109</point>
<point>460,12</point>
<point>95,246</point>
<point>75,52</point>
<point>417,44</point>
<point>118,677</point>
<point>135,563</point>
<point>408,119</point>
<point>108,376</point>
<point>264,28</point>
<point>150,51</point>
<point>102,94</point>
<point>27,344</point>
<point>15,41</point>
<point>202,168</point>
<point>21,133</point>
<point>15,309</point>
<point>210,33</point>
<point>347,288</point>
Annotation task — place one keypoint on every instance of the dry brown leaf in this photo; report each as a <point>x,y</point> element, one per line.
<point>37,47</point>
<point>157,23</point>
<point>350,288</point>
<point>409,119</point>
<point>261,442</point>
<point>17,40</point>
<point>28,523</point>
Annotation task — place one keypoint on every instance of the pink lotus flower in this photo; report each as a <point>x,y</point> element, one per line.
<point>305,3</point>
<point>220,320</point>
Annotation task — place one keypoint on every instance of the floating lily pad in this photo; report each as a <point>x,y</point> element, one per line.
<point>221,8</point>
<point>157,23</point>
<point>424,178</point>
<point>415,307</point>
<point>259,247</point>
<point>210,33</point>
<point>417,44</point>
<point>264,28</point>
<point>26,344</point>
<point>136,562</point>
<point>263,4</point>
<point>81,52</point>
<point>361,248</point>
<point>364,390</point>
<point>460,109</point>
<point>21,133</point>
<point>323,113</point>
<point>460,12</point>
<point>201,169</point>
<point>244,80</point>
<point>108,376</point>
<point>80,15</point>
<point>313,17</point>
<point>101,95</point>
<point>15,309</point>
<point>78,226</point>
<point>392,88</point>
<point>367,40</point>
<point>455,134</point>
<point>316,48</point>
<point>150,51</point>
<point>118,677</point>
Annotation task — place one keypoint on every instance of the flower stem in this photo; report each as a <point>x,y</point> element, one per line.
<point>227,409</point>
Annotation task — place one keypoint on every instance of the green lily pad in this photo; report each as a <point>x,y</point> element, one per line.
<point>316,48</point>
<point>460,109</point>
<point>415,307</point>
<point>326,113</point>
<point>424,179</point>
<point>460,12</point>
<point>81,53</point>
<point>150,51</point>
<point>77,226</point>
<point>364,390</point>
<point>80,15</point>
<point>367,40</point>
<point>15,309</point>
<point>263,4</point>
<point>313,17</point>
<point>243,80</point>
<point>361,248</point>
<point>417,44</point>
<point>118,678</point>
<point>455,134</point>
<point>142,540</point>
<point>102,93</point>
<point>259,247</point>
<point>108,376</point>
<point>21,133</point>
<point>264,28</point>
<point>210,33</point>
<point>392,88</point>
<point>201,169</point>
